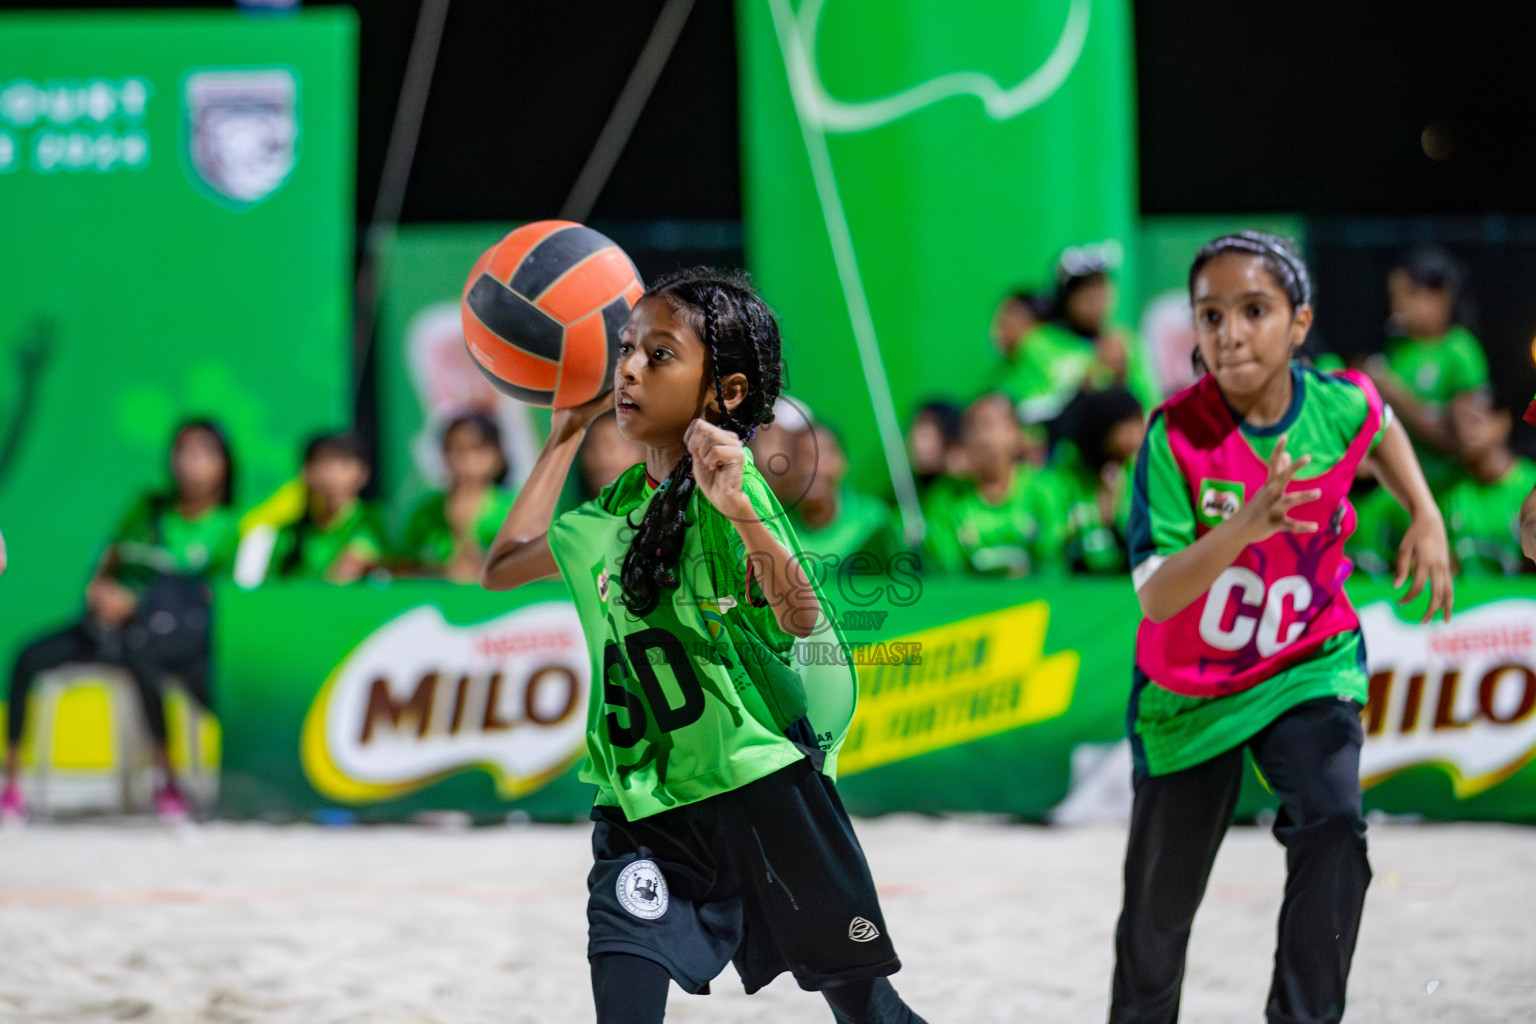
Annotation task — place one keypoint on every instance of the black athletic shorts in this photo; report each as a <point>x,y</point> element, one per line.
<point>769,876</point>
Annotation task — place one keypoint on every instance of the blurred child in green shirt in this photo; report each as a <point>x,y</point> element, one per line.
<point>1002,519</point>
<point>1075,347</point>
<point>450,531</point>
<point>1091,472</point>
<point>832,520</point>
<point>933,443</point>
<point>1429,357</point>
<point>1482,510</point>
<point>148,605</point>
<point>339,538</point>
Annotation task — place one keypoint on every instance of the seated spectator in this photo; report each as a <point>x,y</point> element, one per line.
<point>933,443</point>
<point>1091,475</point>
<point>338,539</point>
<point>1429,357</point>
<point>148,604</point>
<point>1482,509</point>
<point>832,520</point>
<point>774,449</point>
<point>1001,519</point>
<point>449,532</point>
<point>1077,348</point>
<point>605,455</point>
<point>1020,312</point>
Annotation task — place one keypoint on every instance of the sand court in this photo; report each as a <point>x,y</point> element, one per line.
<point>127,921</point>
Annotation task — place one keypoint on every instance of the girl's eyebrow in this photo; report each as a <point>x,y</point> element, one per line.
<point>1245,295</point>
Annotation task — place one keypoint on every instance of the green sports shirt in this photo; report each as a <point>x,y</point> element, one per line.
<point>1171,731</point>
<point>863,524</point>
<point>155,538</point>
<point>1053,363</point>
<point>1482,522</point>
<point>1090,544</point>
<point>1381,524</point>
<point>309,552</point>
<point>1436,370</point>
<point>1019,536</point>
<point>702,694</point>
<point>428,539</point>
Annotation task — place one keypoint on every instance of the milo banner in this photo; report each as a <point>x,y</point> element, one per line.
<point>974,696</point>
<point>904,164</point>
<point>176,204</point>
<point>419,696</point>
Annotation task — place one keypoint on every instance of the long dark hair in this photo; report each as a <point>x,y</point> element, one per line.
<point>221,441</point>
<point>741,336</point>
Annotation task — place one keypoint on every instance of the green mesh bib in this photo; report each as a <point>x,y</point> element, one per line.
<point>695,698</point>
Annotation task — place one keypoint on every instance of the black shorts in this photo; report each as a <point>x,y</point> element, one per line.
<point>769,876</point>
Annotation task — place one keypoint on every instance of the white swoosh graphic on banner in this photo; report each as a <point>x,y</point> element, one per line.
<point>835,115</point>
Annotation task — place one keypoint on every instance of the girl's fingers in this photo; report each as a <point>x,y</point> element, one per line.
<point>1420,577</point>
<point>1288,472</point>
<point>1291,499</point>
<point>1277,457</point>
<point>1436,597</point>
<point>1297,525</point>
<point>1401,567</point>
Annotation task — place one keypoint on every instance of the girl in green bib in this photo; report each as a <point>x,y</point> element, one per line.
<point>721,686</point>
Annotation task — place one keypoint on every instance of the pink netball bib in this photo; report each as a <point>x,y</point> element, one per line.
<point>1283,597</point>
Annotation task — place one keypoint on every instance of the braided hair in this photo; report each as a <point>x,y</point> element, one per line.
<point>741,336</point>
<point>1277,253</point>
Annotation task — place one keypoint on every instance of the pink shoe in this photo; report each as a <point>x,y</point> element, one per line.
<point>170,806</point>
<point>13,806</point>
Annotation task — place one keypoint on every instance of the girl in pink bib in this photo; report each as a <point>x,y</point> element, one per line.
<point>1248,639</point>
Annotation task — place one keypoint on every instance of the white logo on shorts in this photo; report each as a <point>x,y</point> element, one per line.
<point>860,930</point>
<point>643,891</point>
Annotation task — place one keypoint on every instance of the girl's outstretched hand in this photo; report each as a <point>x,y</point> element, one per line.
<point>717,461</point>
<point>1270,510</point>
<point>1425,554</point>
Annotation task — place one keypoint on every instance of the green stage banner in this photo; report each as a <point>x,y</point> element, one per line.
<point>905,163</point>
<point>975,696</point>
<point>176,202</point>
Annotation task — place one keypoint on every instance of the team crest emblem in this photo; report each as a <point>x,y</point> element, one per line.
<point>860,930</point>
<point>242,131</point>
<point>642,890</point>
<point>602,583</point>
<point>1219,501</point>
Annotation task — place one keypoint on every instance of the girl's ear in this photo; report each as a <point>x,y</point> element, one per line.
<point>1301,323</point>
<point>735,388</point>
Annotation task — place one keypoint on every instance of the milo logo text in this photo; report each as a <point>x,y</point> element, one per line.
<point>421,698</point>
<point>1219,500</point>
<point>1461,695</point>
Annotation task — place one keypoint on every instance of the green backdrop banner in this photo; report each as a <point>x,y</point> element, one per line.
<point>974,696</point>
<point>907,162</point>
<point>176,200</point>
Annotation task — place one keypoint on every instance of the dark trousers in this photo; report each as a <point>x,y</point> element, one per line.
<point>1310,756</point>
<point>135,647</point>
